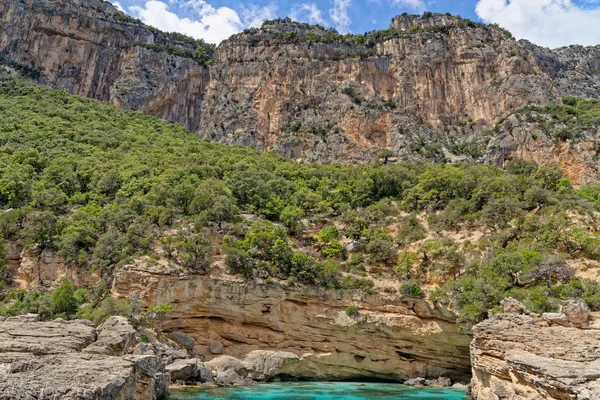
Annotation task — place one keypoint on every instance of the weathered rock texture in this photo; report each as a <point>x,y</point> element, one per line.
<point>518,357</point>
<point>89,48</point>
<point>426,93</point>
<point>390,338</point>
<point>43,360</point>
<point>530,135</point>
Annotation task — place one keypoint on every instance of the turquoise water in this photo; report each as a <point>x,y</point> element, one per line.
<point>319,391</point>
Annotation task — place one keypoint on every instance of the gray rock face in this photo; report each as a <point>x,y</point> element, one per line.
<point>574,69</point>
<point>215,347</point>
<point>519,357</point>
<point>25,334</point>
<point>182,339</point>
<point>44,360</point>
<point>183,370</point>
<point>115,337</point>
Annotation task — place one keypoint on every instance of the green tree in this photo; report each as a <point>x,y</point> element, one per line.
<point>64,300</point>
<point>159,314</point>
<point>292,216</point>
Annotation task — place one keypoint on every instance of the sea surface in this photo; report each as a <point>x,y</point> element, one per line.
<point>318,391</point>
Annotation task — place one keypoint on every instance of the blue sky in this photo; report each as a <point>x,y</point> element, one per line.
<point>550,23</point>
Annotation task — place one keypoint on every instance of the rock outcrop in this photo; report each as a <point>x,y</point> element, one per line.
<point>517,356</point>
<point>45,360</point>
<point>390,338</point>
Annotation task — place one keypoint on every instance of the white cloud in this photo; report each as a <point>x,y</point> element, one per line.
<point>418,5</point>
<point>209,23</point>
<point>339,15</point>
<point>254,16</point>
<point>118,6</point>
<point>308,12</point>
<point>213,24</point>
<point>551,23</point>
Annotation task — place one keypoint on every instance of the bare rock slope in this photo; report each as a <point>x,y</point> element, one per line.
<point>48,360</point>
<point>517,356</point>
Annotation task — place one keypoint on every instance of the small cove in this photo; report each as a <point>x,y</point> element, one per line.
<point>318,391</point>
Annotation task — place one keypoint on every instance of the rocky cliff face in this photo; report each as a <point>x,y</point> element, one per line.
<point>298,94</point>
<point>517,356</point>
<point>531,135</point>
<point>90,49</point>
<point>427,88</point>
<point>50,360</point>
<point>575,70</point>
<point>389,338</point>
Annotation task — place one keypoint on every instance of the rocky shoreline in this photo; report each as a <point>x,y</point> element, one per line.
<point>74,360</point>
<point>518,355</point>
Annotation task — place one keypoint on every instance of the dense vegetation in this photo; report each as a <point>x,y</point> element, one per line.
<point>102,187</point>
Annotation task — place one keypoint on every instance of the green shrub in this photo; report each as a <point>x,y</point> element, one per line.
<point>352,311</point>
<point>334,250</point>
<point>64,300</point>
<point>351,282</point>
<point>410,231</point>
<point>412,288</point>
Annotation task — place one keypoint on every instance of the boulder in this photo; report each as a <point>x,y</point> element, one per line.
<point>184,370</point>
<point>205,375</point>
<point>215,347</point>
<point>415,382</point>
<point>577,312</point>
<point>224,363</point>
<point>513,306</point>
<point>439,382</point>
<point>183,339</point>
<point>263,364</point>
<point>556,319</point>
<point>143,349</point>
<point>228,377</point>
<point>354,246</point>
<point>115,337</point>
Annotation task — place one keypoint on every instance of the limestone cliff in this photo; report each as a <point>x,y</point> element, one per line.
<point>390,338</point>
<point>294,90</point>
<point>90,49</point>
<point>517,356</point>
<point>427,88</point>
